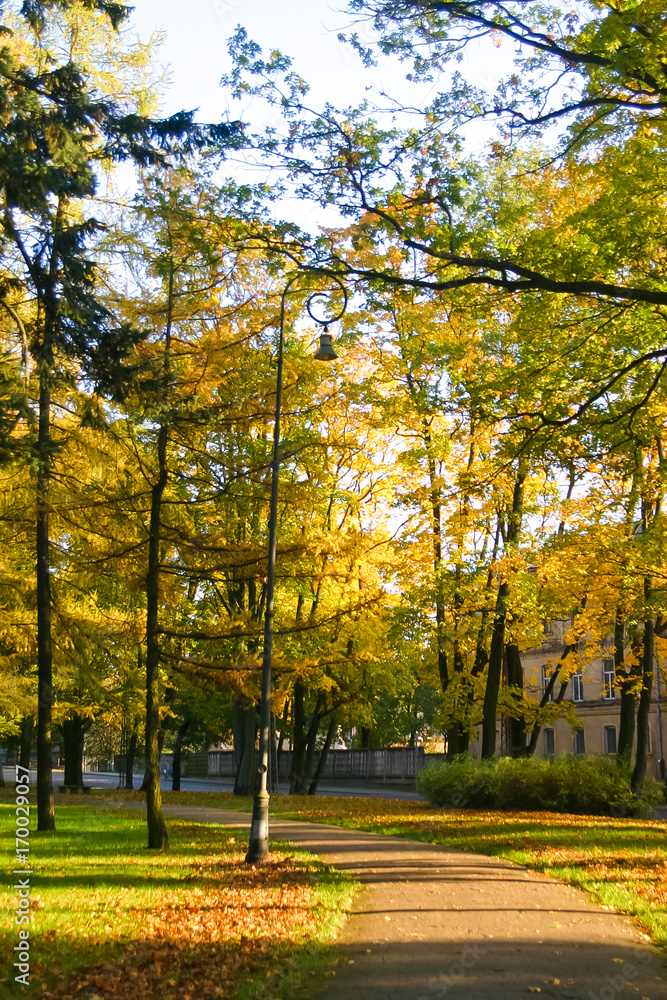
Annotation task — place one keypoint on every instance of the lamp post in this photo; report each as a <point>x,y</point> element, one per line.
<point>258,847</point>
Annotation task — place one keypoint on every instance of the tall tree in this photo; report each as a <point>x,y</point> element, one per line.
<point>59,125</point>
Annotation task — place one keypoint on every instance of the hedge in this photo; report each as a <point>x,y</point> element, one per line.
<point>570,784</point>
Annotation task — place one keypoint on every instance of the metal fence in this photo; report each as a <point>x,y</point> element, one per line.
<point>392,764</point>
<point>398,764</point>
<point>193,765</point>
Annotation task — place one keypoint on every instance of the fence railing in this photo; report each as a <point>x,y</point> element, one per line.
<point>392,764</point>
<point>193,765</point>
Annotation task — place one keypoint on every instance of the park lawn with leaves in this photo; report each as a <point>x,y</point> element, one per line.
<point>113,919</point>
<point>621,862</point>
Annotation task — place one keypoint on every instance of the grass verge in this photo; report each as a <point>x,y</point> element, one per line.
<point>111,918</point>
<point>621,862</point>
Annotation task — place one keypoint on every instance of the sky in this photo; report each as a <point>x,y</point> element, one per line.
<point>194,53</point>
<point>196,50</point>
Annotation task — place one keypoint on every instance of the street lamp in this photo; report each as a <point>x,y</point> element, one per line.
<point>258,848</point>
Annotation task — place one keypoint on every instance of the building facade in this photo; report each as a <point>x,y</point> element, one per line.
<point>596,703</point>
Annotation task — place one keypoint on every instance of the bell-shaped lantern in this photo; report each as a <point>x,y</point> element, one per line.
<point>325,351</point>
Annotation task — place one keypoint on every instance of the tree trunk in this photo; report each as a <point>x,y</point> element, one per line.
<point>639,770</point>
<point>495,667</point>
<point>567,649</point>
<point>494,673</point>
<point>548,693</point>
<point>160,746</point>
<point>283,727</point>
<point>481,654</point>
<point>176,764</point>
<point>458,735</point>
<point>74,731</point>
<point>131,754</point>
<point>304,742</point>
<point>626,680</point>
<point>518,746</point>
<point>436,533</point>
<point>244,721</point>
<point>273,756</point>
<point>157,830</point>
<point>45,809</point>
<point>319,770</point>
<point>436,528</point>
<point>311,740</point>
<point>299,750</point>
<point>27,730</point>
<point>458,732</point>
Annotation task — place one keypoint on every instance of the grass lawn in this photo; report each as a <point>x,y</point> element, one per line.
<point>621,862</point>
<point>113,919</point>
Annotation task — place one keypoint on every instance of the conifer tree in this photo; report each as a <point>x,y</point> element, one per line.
<point>59,128</point>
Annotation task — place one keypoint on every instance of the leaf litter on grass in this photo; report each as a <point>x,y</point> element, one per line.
<point>203,941</point>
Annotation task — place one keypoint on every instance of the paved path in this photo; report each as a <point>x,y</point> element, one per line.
<point>429,923</point>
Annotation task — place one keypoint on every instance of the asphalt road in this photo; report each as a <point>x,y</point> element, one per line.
<point>109,779</point>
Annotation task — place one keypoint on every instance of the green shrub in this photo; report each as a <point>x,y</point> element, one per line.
<point>464,782</point>
<point>571,784</point>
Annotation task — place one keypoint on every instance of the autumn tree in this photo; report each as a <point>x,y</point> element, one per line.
<point>63,120</point>
<point>592,77</point>
<point>589,216</point>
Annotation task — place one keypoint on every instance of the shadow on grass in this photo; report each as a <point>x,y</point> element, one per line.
<point>201,923</point>
<point>168,970</point>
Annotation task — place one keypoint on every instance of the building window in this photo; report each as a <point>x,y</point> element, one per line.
<point>548,627</point>
<point>577,688</point>
<point>610,739</point>
<point>545,682</point>
<point>549,742</point>
<point>608,679</point>
<point>579,742</point>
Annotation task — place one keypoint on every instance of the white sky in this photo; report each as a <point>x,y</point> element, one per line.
<point>196,47</point>
<point>196,50</point>
<point>195,54</point>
